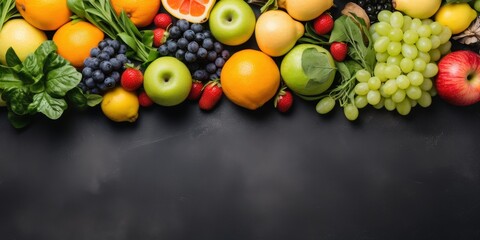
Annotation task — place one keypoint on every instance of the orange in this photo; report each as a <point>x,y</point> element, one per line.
<point>75,39</point>
<point>45,15</point>
<point>195,11</point>
<point>141,12</point>
<point>250,78</point>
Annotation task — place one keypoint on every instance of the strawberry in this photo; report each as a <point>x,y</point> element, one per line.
<point>159,36</point>
<point>162,20</point>
<point>284,100</point>
<point>144,100</point>
<point>132,78</point>
<point>339,51</point>
<point>212,93</point>
<point>196,90</point>
<point>323,24</point>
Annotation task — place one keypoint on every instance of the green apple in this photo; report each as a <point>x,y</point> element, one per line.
<point>308,70</point>
<point>167,81</point>
<point>232,22</point>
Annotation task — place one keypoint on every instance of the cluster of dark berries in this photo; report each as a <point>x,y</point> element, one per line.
<point>194,45</point>
<point>102,70</point>
<point>373,7</point>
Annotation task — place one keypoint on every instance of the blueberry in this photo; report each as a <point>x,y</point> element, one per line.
<point>122,58</point>
<point>116,64</point>
<point>82,86</point>
<point>218,47</point>
<point>189,35</point>
<point>180,54</point>
<point>196,27</point>
<point>109,82</point>
<point>90,83</point>
<point>183,25</point>
<point>172,46</point>
<point>193,47</point>
<point>207,43</point>
<point>207,33</point>
<point>116,76</point>
<point>199,37</point>
<point>200,75</point>
<point>182,43</point>
<point>192,67</point>
<point>225,54</point>
<point>91,62</point>
<point>87,72</point>
<point>202,53</point>
<point>95,91</point>
<point>104,56</point>
<point>211,67</point>
<point>219,71</point>
<point>102,44</point>
<point>115,44</point>
<point>122,49</point>
<point>175,32</point>
<point>95,51</point>
<point>102,87</point>
<point>98,76</point>
<point>213,76</point>
<point>106,67</point>
<point>219,62</point>
<point>212,55</point>
<point>190,57</point>
<point>109,50</point>
<point>163,50</point>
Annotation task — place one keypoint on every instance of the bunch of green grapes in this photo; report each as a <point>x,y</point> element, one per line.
<point>407,51</point>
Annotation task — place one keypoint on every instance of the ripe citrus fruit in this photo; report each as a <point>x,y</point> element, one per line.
<point>44,14</point>
<point>456,16</point>
<point>195,11</point>
<point>250,78</point>
<point>21,36</point>
<point>75,39</point>
<point>120,105</point>
<point>141,12</point>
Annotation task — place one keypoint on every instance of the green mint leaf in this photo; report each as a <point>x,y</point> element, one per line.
<point>316,66</point>
<point>339,33</point>
<point>93,99</point>
<point>51,107</point>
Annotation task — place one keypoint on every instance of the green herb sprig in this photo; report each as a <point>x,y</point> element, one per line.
<point>7,11</point>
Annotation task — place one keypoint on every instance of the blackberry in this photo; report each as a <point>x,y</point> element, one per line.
<point>373,7</point>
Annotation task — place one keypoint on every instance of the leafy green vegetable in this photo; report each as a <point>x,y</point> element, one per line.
<point>7,11</point>
<point>101,14</point>
<point>265,4</point>
<point>43,83</point>
<point>344,91</point>
<point>316,66</point>
<point>310,36</point>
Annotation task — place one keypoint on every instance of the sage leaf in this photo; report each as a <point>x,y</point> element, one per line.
<point>316,66</point>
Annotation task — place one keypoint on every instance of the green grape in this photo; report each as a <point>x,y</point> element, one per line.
<point>362,75</point>
<point>371,29</point>
<point>436,28</point>
<point>373,97</point>
<point>383,28</point>
<point>384,16</point>
<point>379,105</point>
<point>424,56</point>
<point>382,57</point>
<point>395,35</point>
<point>433,92</point>
<point>398,96</point>
<point>427,21</point>
<point>389,104</point>
<point>394,60</point>
<point>409,51</point>
<point>392,71</point>
<point>413,103</point>
<point>403,107</point>
<point>350,111</point>
<point>390,86</point>
<point>413,92</point>
<point>406,64</point>
<point>445,34</point>
<point>430,70</point>
<point>425,100</point>
<point>424,44</point>
<point>325,105</point>
<point>374,83</point>
<point>381,44</point>
<point>402,81</point>
<point>419,64</point>
<point>407,22</point>
<point>424,31</point>
<point>416,78</point>
<point>361,88</point>
<point>394,48</point>
<point>427,84</point>
<point>445,48</point>
<point>379,71</point>
<point>375,36</point>
<point>435,41</point>
<point>382,91</point>
<point>435,55</point>
<point>396,19</point>
<point>410,36</point>
<point>360,101</point>
<point>416,23</point>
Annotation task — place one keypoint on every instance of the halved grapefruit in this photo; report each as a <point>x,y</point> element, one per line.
<point>194,11</point>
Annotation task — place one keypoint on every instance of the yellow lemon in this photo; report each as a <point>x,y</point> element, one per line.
<point>22,37</point>
<point>456,16</point>
<point>120,105</point>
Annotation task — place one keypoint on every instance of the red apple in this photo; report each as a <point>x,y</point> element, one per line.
<point>458,78</point>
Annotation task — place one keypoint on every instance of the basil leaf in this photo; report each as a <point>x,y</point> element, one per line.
<point>61,79</point>
<point>18,121</point>
<point>8,78</point>
<point>316,66</point>
<point>12,58</point>
<point>48,105</point>
<point>18,100</point>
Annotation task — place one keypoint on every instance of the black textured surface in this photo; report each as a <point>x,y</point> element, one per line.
<point>233,174</point>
